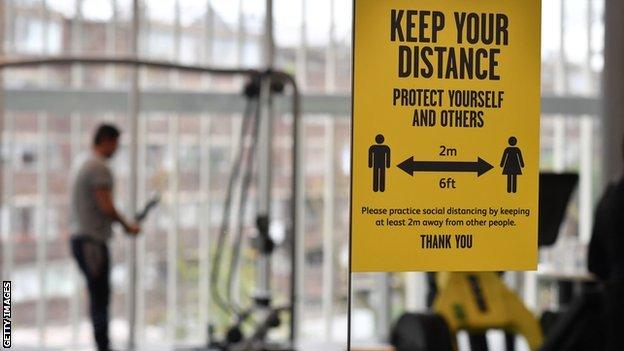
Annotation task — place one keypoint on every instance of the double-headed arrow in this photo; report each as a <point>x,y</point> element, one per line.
<point>410,166</point>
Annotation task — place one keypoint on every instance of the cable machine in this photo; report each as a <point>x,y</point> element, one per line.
<point>254,152</point>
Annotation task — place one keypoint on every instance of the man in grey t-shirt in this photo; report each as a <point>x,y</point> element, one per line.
<point>92,212</point>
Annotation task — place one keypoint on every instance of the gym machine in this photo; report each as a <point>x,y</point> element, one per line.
<point>257,126</point>
<point>479,301</point>
<point>262,313</point>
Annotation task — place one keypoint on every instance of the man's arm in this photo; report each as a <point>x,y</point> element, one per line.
<point>104,199</point>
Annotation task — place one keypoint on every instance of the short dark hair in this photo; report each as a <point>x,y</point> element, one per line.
<point>105,132</point>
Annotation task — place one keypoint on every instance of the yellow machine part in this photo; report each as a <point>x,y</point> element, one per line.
<point>476,302</point>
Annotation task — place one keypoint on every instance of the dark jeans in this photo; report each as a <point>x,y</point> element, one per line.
<point>93,259</point>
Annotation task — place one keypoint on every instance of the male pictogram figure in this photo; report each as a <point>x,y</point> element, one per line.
<point>379,160</point>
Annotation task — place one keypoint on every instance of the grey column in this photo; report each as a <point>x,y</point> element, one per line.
<point>613,90</point>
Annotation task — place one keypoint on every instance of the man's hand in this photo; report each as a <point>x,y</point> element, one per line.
<point>104,198</point>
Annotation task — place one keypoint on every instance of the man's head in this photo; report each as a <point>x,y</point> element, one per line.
<point>105,140</point>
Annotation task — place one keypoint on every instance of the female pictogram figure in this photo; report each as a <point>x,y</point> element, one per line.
<point>512,164</point>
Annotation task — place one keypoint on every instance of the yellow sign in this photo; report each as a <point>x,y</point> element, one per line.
<point>445,135</point>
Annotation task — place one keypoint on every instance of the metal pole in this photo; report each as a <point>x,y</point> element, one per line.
<point>42,189</point>
<point>208,33</point>
<point>269,41</point>
<point>75,132</point>
<point>140,248</point>
<point>329,265</point>
<point>415,296</point>
<point>591,86</point>
<point>8,28</point>
<point>613,94</point>
<point>298,226</point>
<point>8,200</point>
<point>586,149</point>
<point>41,236</point>
<point>205,223</point>
<point>383,304</point>
<point>4,236</point>
<point>350,273</point>
<point>141,241</point>
<point>133,116</point>
<point>205,220</point>
<point>3,162</point>
<point>329,188</point>
<point>297,293</point>
<point>134,62</point>
<point>301,56</point>
<point>111,42</point>
<point>174,198</point>
<point>297,211</point>
<point>330,52</point>
<point>172,242</point>
<point>263,266</point>
<point>561,86</point>
<point>241,38</point>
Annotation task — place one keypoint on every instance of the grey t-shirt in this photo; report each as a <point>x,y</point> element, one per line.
<point>86,218</point>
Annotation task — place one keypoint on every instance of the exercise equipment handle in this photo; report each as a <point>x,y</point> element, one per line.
<point>140,216</point>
